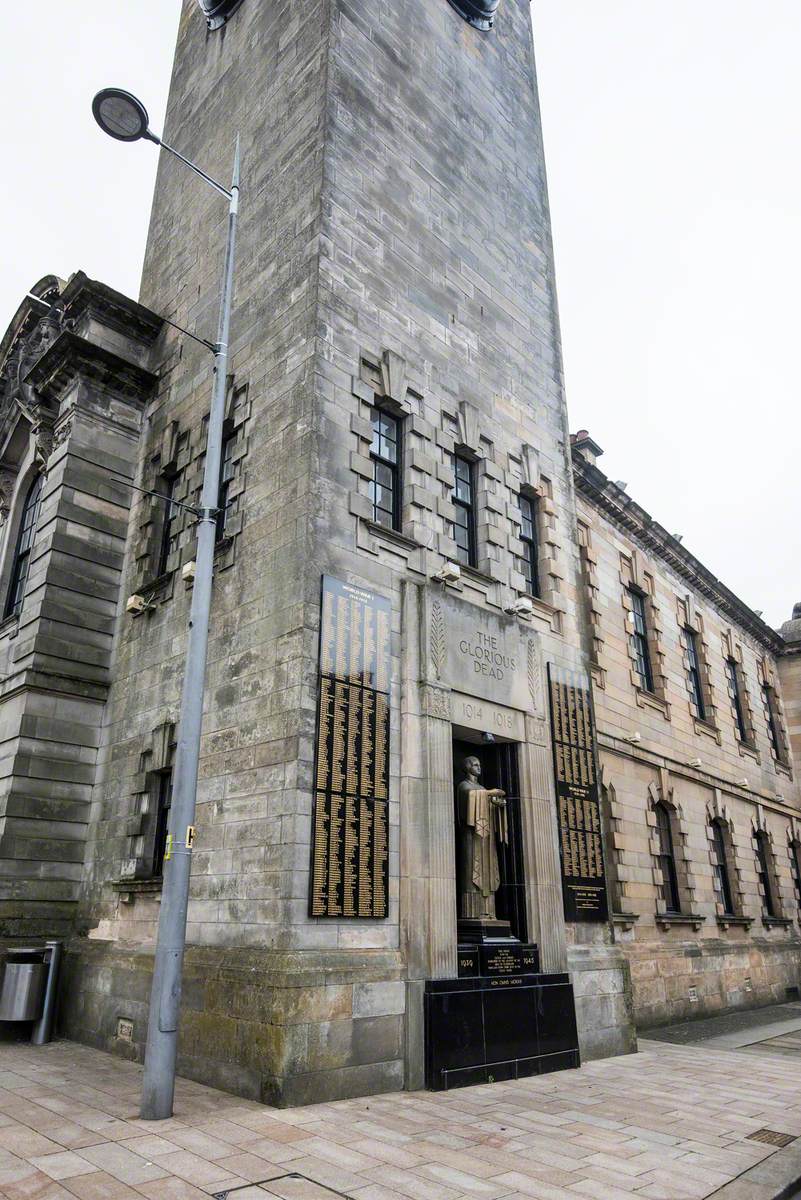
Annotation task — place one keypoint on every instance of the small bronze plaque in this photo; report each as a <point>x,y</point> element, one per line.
<point>771,1137</point>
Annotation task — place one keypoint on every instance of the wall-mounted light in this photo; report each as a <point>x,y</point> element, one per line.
<point>479,13</point>
<point>217,12</point>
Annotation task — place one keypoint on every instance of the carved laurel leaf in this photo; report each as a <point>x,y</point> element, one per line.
<point>534,676</point>
<point>437,639</point>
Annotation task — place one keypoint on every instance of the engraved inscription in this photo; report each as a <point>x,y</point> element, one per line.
<point>350,826</point>
<point>580,845</point>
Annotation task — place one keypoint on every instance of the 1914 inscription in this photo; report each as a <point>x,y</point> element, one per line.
<point>350,833</point>
<point>580,844</point>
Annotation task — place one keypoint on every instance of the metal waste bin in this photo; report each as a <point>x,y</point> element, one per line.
<point>24,979</point>
<point>28,991</point>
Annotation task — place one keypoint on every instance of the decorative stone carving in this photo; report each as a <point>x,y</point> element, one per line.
<point>438,644</point>
<point>393,375</point>
<point>534,661</point>
<point>8,480</point>
<point>436,702</point>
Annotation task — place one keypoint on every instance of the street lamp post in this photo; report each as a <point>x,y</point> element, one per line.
<point>124,117</point>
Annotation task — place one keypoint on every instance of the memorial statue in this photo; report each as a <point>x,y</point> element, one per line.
<point>481,815</point>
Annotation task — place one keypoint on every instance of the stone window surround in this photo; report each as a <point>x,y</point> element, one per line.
<point>688,617</point>
<point>794,855</point>
<point>588,561</point>
<point>527,478</point>
<point>717,811</point>
<point>155,759</point>
<point>637,574</point>
<point>180,457</point>
<point>733,650</point>
<point>661,793</point>
<point>759,829</point>
<point>19,480</point>
<point>614,856</point>
<point>768,679</point>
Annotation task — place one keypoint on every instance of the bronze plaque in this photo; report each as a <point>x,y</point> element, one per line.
<point>350,825</point>
<point>580,845</point>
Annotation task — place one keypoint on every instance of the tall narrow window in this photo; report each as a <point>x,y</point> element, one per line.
<point>226,475</point>
<point>22,553</point>
<point>735,692</point>
<point>163,806</point>
<point>639,635</point>
<point>795,864</point>
<point>464,525</point>
<point>772,721</point>
<point>667,860</point>
<point>385,454</point>
<point>764,872</point>
<point>169,528</point>
<point>721,865</point>
<point>531,550</point>
<point>694,671</point>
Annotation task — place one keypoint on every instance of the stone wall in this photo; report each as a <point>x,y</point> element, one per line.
<point>657,748</point>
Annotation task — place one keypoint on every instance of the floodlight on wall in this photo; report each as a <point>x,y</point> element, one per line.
<point>478,13</point>
<point>521,607</point>
<point>634,738</point>
<point>695,762</point>
<point>217,12</point>
<point>450,572</point>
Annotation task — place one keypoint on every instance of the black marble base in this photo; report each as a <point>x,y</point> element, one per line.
<point>475,930</point>
<point>481,1029</point>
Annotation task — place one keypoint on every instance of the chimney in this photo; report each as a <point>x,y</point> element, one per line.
<point>583,444</point>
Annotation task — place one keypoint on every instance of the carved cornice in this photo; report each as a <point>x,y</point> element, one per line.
<point>625,514</point>
<point>71,356</point>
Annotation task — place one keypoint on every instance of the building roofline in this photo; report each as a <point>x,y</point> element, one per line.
<point>622,511</point>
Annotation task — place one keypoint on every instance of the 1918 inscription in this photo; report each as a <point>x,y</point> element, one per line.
<point>350,834</point>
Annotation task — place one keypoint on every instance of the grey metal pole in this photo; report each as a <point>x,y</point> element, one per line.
<point>165,998</point>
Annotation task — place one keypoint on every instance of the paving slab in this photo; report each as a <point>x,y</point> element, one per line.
<point>673,1122</point>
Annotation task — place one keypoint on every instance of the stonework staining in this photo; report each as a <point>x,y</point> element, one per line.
<point>395,255</point>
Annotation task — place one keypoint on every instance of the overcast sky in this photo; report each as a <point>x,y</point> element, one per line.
<point>671,133</point>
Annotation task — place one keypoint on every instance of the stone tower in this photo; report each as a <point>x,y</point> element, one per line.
<point>395,251</point>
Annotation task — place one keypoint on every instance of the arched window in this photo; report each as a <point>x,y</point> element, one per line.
<point>22,553</point>
<point>720,857</point>
<point>667,860</point>
<point>765,873</point>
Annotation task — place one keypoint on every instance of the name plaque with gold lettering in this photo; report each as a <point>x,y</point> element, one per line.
<point>579,814</point>
<point>350,823</point>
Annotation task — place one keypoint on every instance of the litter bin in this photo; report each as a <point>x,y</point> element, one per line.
<point>24,980</point>
<point>28,991</point>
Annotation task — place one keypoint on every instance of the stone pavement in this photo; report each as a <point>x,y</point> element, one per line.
<point>670,1123</point>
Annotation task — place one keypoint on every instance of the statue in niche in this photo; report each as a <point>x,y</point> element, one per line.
<point>482,823</point>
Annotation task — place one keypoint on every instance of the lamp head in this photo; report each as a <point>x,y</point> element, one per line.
<point>121,115</point>
<point>217,12</point>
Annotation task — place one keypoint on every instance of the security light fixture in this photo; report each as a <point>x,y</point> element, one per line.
<point>121,115</point>
<point>217,12</point>
<point>478,13</point>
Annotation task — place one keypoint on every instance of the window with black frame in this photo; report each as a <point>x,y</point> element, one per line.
<point>737,699</point>
<point>772,721</point>
<point>529,517</point>
<point>463,497</point>
<point>795,864</point>
<point>667,860</point>
<point>385,486</point>
<point>162,814</point>
<point>764,873</point>
<point>720,856</point>
<point>22,552</point>
<point>169,528</point>
<point>639,638</point>
<point>226,475</point>
<point>694,671</point>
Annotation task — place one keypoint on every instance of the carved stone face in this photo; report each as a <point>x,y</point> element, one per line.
<point>472,766</point>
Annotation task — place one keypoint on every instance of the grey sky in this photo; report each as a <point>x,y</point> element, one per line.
<point>672,141</point>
